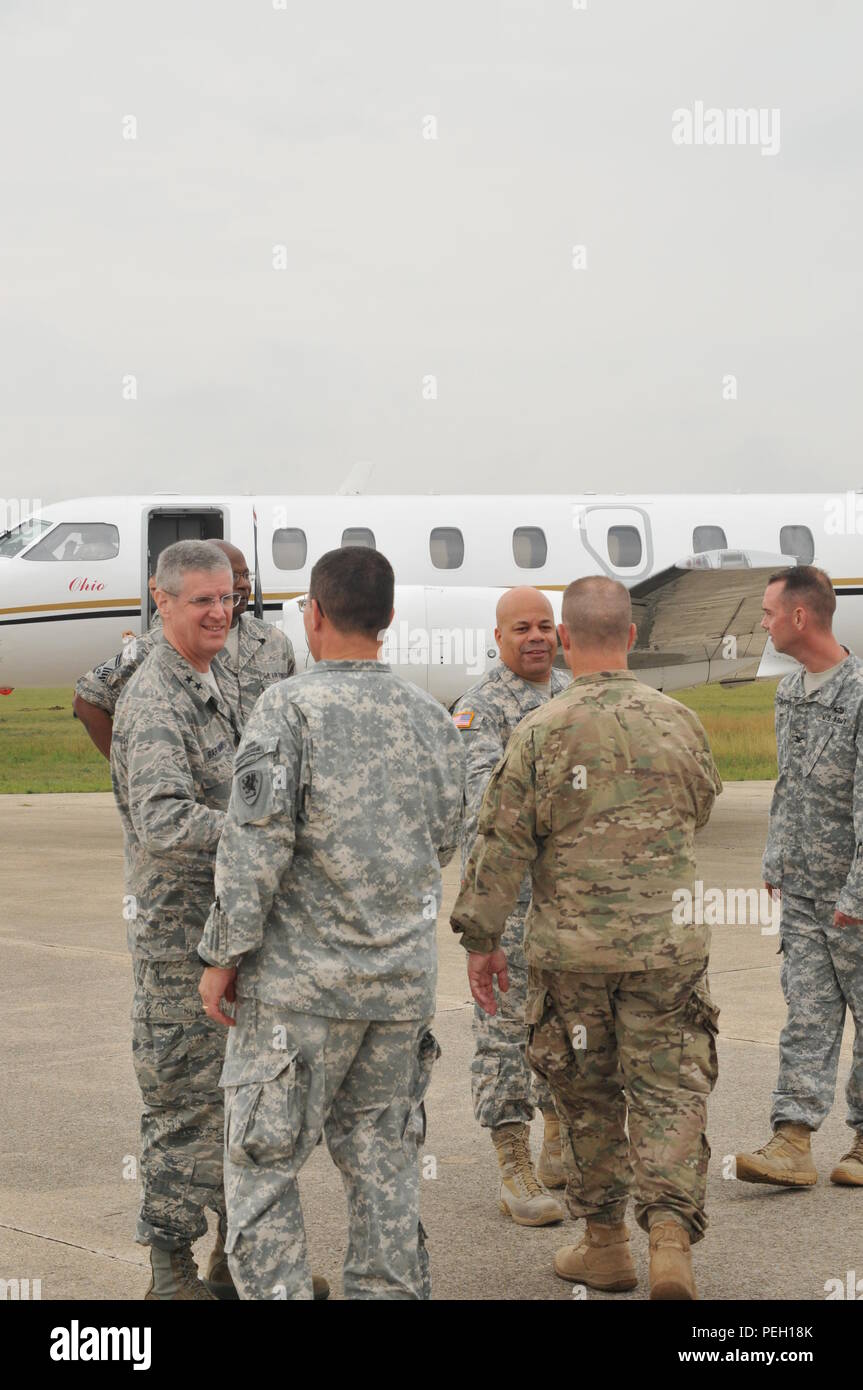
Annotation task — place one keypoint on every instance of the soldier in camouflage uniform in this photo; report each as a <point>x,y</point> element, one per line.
<point>172,755</point>
<point>598,797</point>
<point>347,797</point>
<point>814,858</point>
<point>255,655</point>
<point>505,1090</point>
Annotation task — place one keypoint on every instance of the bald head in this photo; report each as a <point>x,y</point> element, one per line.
<point>597,629</point>
<point>525,633</point>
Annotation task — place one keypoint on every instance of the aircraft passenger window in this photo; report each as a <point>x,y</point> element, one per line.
<point>624,546</point>
<point>529,547</point>
<point>708,538</point>
<point>446,547</point>
<point>797,540</point>
<point>359,535</point>
<point>76,540</point>
<point>290,548</point>
<point>21,536</point>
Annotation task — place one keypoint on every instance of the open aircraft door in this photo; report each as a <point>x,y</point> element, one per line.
<point>165,525</point>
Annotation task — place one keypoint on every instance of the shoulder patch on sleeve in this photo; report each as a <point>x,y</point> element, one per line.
<point>463,718</point>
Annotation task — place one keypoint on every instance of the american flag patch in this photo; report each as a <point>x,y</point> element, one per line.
<point>463,718</point>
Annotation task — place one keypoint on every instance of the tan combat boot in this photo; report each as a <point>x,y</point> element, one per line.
<point>849,1170</point>
<point>520,1194</point>
<point>671,1274</point>
<point>602,1259</point>
<point>550,1169</point>
<point>174,1275</point>
<point>785,1160</point>
<point>218,1279</point>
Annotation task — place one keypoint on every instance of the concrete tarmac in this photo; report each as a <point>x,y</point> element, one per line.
<point>69,1108</point>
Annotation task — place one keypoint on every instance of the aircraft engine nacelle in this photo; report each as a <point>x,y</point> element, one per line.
<point>440,639</point>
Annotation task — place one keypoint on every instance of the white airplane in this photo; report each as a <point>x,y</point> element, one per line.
<point>73,577</point>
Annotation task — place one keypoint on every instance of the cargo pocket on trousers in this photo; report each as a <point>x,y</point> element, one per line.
<point>263,1118</point>
<point>699,1065</point>
<point>429,1051</point>
<point>549,1048</point>
<point>160,1055</point>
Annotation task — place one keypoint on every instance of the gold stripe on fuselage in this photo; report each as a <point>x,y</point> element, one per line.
<point>78,604</point>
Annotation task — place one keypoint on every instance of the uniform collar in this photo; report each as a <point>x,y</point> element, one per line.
<point>526,692</point>
<point>251,639</point>
<point>352,664</point>
<point>603,676</point>
<point>827,693</point>
<point>195,682</point>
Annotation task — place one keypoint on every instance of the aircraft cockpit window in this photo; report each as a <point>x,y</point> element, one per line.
<point>446,547</point>
<point>14,541</point>
<point>79,541</point>
<point>708,538</point>
<point>529,547</point>
<point>624,547</point>
<point>290,548</point>
<point>797,540</point>
<point>359,535</point>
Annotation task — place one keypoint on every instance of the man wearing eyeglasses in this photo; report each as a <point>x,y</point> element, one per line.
<point>255,655</point>
<point>172,754</point>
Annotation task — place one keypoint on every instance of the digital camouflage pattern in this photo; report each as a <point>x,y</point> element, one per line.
<point>504,1089</point>
<point>172,756</point>
<point>289,1077</point>
<point>265,655</point>
<point>347,797</point>
<point>598,796</point>
<point>814,854</point>
<point>822,977</point>
<point>346,800</point>
<point>178,1054</point>
<point>634,1050</point>
<point>815,837</point>
<point>171,763</point>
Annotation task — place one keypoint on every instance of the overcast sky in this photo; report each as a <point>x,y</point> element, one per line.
<point>409,258</point>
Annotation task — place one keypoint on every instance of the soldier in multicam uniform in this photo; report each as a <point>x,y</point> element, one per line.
<point>255,655</point>
<point>505,1091</point>
<point>814,860</point>
<point>347,797</point>
<point>172,754</point>
<point>598,797</point>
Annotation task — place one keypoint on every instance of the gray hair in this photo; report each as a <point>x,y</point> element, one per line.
<point>184,556</point>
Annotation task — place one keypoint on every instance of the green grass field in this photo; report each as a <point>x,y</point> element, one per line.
<point>43,749</point>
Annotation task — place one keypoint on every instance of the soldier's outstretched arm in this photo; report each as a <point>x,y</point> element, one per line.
<point>483,747</point>
<point>849,907</point>
<point>257,844</point>
<point>505,848</point>
<point>708,788</point>
<point>452,805</point>
<point>771,863</point>
<point>162,804</point>
<point>97,722</point>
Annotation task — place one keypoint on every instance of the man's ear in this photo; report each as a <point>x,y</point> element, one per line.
<point>633,633</point>
<point>563,634</point>
<point>161,596</point>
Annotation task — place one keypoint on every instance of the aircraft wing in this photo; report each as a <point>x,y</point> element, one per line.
<point>703,613</point>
